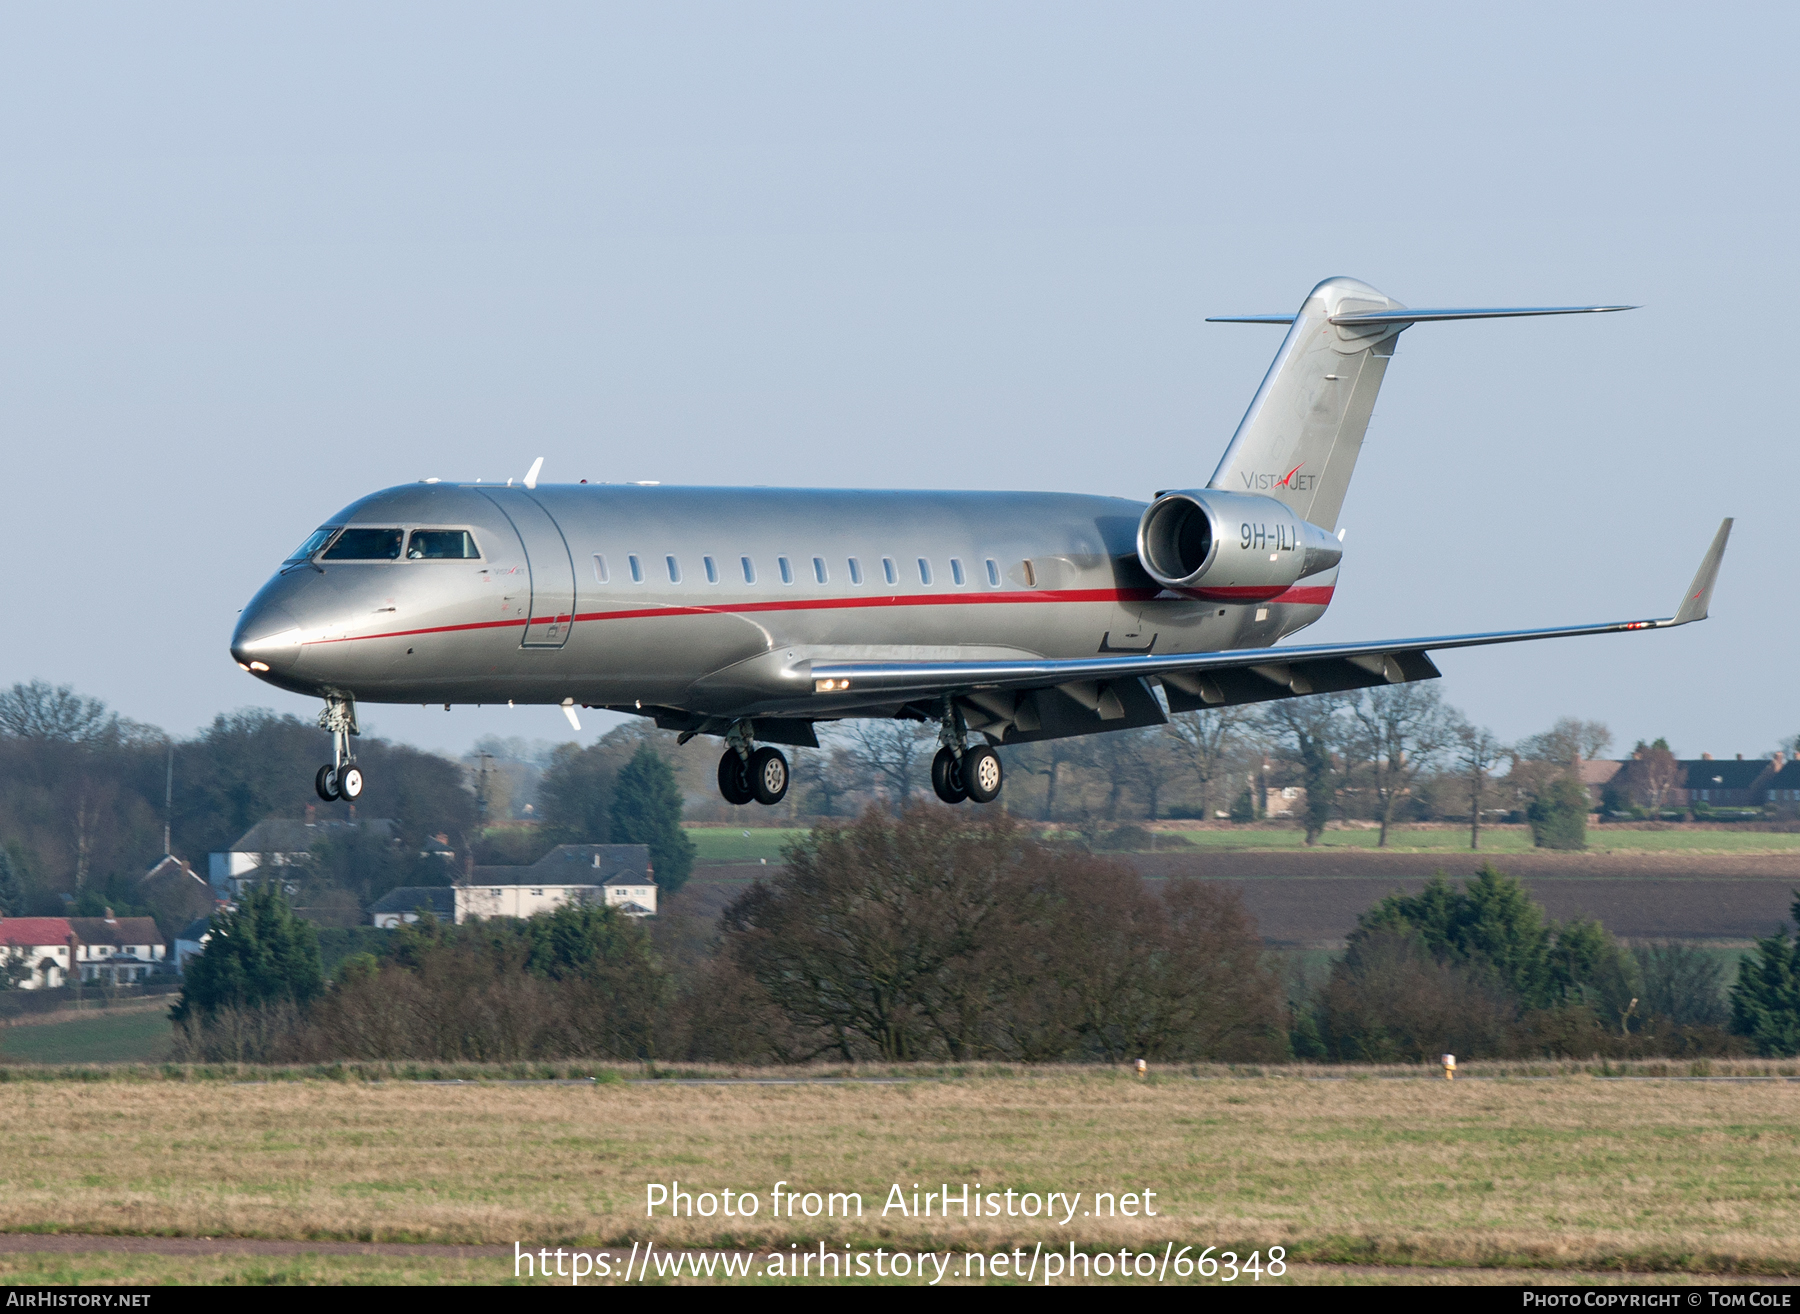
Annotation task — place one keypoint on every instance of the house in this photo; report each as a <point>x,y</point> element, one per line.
<point>403,905</point>
<point>192,941</point>
<point>281,842</point>
<point>42,944</point>
<point>1596,774</point>
<point>618,875</point>
<point>175,893</point>
<point>1783,788</point>
<point>1728,783</point>
<point>117,950</point>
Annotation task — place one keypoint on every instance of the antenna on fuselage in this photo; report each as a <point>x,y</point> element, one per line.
<point>532,474</point>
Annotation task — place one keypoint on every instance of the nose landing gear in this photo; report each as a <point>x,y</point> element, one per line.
<point>341,778</point>
<point>746,773</point>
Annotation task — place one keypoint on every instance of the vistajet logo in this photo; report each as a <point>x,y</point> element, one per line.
<point>1291,482</point>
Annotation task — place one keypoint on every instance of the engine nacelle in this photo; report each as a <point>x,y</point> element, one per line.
<point>1230,547</point>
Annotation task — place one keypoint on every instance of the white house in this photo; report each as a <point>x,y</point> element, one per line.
<point>281,842</point>
<point>42,944</point>
<point>618,875</point>
<point>191,941</point>
<point>117,950</point>
<point>403,905</point>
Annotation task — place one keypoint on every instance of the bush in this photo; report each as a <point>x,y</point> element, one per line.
<point>1558,816</point>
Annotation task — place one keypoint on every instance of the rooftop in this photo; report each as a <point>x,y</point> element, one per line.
<point>439,899</point>
<point>289,835</point>
<point>20,931</point>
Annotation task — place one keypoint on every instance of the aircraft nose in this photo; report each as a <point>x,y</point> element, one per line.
<point>267,638</point>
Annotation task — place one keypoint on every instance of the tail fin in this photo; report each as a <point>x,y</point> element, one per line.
<point>1300,438</point>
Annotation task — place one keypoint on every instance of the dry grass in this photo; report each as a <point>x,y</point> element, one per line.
<point>1570,1173</point>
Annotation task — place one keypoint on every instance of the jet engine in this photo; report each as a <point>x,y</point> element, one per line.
<point>1230,547</point>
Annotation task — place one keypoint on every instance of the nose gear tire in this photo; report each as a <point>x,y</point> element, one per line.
<point>768,776</point>
<point>982,775</point>
<point>325,783</point>
<point>734,779</point>
<point>350,784</point>
<point>946,777</point>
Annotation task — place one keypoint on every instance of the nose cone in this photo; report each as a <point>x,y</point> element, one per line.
<point>267,638</point>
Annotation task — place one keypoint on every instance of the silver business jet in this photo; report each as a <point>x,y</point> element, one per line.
<point>753,614</point>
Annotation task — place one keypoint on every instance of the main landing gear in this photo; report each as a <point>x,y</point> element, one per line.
<point>341,778</point>
<point>747,773</point>
<point>959,772</point>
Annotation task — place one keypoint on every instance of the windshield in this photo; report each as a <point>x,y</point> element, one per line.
<point>366,545</point>
<point>320,537</point>
<point>441,545</point>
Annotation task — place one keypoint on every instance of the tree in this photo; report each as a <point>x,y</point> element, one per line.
<point>1558,815</point>
<point>827,775</point>
<point>1567,742</point>
<point>12,892</point>
<point>1206,742</point>
<point>573,795</point>
<point>1682,983</point>
<point>896,751</point>
<point>258,955</point>
<point>1655,773</point>
<point>646,809</point>
<point>1765,1001</point>
<point>1402,728</point>
<point>1308,730</point>
<point>1478,751</point>
<point>38,712</point>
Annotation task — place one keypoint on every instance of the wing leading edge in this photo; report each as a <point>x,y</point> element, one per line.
<point>1216,679</point>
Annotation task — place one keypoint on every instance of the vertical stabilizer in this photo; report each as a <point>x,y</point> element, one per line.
<point>1299,440</point>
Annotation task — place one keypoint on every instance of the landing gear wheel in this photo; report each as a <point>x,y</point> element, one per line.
<point>326,783</point>
<point>768,776</point>
<point>734,778</point>
<point>350,784</point>
<point>981,774</point>
<point>946,776</point>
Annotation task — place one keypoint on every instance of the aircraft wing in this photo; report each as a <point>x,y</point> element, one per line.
<point>1211,679</point>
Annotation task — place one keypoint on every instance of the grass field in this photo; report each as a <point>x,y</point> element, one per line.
<point>735,844</point>
<point>1566,1174</point>
<point>133,1037</point>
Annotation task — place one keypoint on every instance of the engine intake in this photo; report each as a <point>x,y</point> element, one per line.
<point>1230,547</point>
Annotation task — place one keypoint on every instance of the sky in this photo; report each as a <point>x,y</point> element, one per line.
<point>259,260</point>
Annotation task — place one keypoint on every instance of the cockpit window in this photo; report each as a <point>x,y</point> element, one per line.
<point>320,537</point>
<point>366,545</point>
<point>441,545</point>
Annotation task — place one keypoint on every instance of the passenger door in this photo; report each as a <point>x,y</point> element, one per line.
<point>552,568</point>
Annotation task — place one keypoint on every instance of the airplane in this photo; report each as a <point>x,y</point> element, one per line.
<point>753,614</point>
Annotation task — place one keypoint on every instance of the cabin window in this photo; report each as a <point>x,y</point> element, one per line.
<point>712,570</point>
<point>819,571</point>
<point>366,545</point>
<point>787,570</point>
<point>924,571</point>
<point>993,570</point>
<point>855,571</point>
<point>637,569</point>
<point>441,545</point>
<point>319,538</point>
<point>887,569</point>
<point>956,572</point>
<point>600,569</point>
<point>749,570</point>
<point>674,570</point>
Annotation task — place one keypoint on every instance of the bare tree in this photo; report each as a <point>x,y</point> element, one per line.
<point>1401,729</point>
<point>1206,742</point>
<point>1567,742</point>
<point>1308,731</point>
<point>1478,751</point>
<point>896,752</point>
<point>37,711</point>
<point>829,774</point>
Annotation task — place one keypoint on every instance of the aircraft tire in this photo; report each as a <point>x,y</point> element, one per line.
<point>734,779</point>
<point>982,775</point>
<point>350,784</point>
<point>325,783</point>
<point>768,776</point>
<point>946,777</point>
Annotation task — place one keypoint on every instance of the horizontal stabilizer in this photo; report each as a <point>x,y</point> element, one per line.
<point>1420,316</point>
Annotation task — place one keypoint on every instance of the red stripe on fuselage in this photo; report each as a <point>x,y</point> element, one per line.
<point>1307,596</point>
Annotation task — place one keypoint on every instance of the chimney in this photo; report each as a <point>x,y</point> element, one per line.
<point>1779,760</point>
<point>1740,757</point>
<point>309,814</point>
<point>1706,757</point>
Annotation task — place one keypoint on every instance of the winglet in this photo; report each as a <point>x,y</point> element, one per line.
<point>532,474</point>
<point>1699,595</point>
